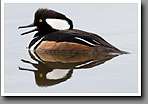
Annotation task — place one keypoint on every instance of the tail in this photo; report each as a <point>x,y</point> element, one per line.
<point>109,51</point>
<point>117,52</point>
<point>124,52</point>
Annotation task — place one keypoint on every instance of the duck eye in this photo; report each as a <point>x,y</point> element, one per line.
<point>40,20</point>
<point>41,75</point>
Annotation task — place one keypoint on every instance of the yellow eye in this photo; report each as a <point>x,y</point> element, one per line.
<point>41,75</point>
<point>40,20</point>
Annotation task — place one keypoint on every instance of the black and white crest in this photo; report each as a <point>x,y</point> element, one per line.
<point>58,24</point>
<point>55,19</point>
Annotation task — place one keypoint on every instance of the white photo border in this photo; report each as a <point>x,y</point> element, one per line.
<point>71,94</point>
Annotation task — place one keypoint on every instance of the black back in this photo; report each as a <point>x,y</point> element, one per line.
<point>70,36</point>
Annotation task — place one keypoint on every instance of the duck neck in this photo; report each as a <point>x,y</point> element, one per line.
<point>44,32</point>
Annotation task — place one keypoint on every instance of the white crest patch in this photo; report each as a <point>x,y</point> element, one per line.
<point>58,24</point>
<point>57,74</point>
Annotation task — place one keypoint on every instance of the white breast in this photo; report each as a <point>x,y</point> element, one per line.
<point>58,24</point>
<point>32,47</point>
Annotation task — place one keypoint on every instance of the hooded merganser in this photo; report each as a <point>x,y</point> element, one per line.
<point>56,34</point>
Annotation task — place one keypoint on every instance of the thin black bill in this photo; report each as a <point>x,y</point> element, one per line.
<point>31,25</point>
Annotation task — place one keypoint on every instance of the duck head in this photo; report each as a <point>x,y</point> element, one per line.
<point>46,21</point>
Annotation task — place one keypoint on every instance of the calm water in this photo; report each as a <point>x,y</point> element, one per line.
<point>27,72</point>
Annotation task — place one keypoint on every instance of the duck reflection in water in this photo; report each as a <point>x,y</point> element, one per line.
<point>52,68</point>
